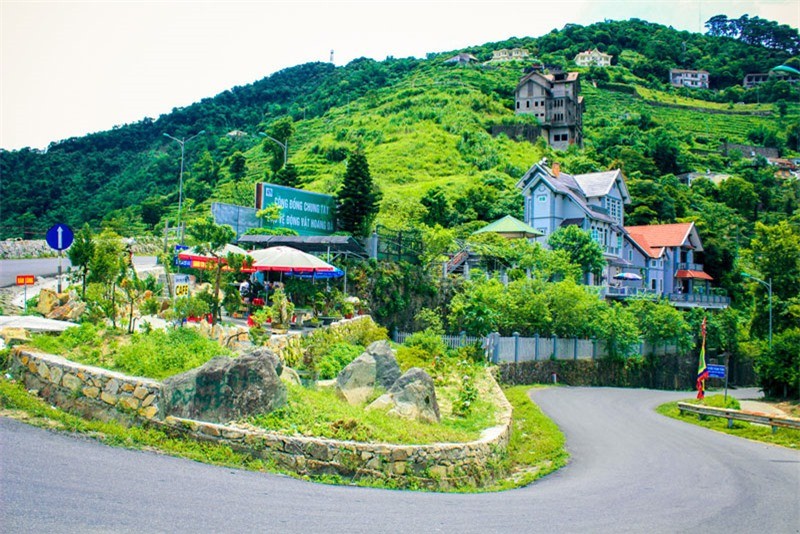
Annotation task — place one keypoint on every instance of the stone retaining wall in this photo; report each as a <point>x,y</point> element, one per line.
<point>90,391</point>
<point>101,394</point>
<point>434,466</point>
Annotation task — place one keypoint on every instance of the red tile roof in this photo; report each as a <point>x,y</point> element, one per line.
<point>654,238</point>
<point>683,273</point>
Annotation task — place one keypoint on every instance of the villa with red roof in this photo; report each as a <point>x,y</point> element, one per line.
<point>661,260</point>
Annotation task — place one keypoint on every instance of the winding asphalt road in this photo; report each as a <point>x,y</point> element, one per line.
<point>632,470</point>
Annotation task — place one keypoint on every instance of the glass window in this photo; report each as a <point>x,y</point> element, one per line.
<point>542,198</point>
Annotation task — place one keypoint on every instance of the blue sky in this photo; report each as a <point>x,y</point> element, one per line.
<point>68,68</point>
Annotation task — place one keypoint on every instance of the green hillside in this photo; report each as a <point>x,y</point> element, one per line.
<point>422,123</point>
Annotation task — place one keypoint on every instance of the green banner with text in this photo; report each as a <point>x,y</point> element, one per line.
<point>305,212</point>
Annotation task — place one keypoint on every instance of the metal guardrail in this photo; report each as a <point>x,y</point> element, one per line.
<point>763,419</point>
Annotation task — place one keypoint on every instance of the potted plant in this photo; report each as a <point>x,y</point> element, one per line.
<point>348,309</point>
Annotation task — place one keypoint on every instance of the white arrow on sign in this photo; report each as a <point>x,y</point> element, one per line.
<point>60,233</point>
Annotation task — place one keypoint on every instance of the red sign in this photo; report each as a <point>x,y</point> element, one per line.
<point>25,279</point>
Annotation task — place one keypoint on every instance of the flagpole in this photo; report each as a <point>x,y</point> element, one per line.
<point>702,370</point>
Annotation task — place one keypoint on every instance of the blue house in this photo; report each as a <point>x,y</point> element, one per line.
<point>656,260</point>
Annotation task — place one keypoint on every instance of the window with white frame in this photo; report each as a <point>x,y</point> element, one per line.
<point>614,207</point>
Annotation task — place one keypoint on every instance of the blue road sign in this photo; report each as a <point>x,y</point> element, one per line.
<point>716,371</point>
<point>59,237</point>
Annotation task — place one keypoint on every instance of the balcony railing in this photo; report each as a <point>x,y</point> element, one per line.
<point>699,300</point>
<point>690,266</point>
<point>687,300</point>
<point>625,291</point>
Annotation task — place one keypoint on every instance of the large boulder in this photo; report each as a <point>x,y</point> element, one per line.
<point>412,396</point>
<point>225,389</point>
<point>71,311</point>
<point>375,367</point>
<point>12,336</point>
<point>48,299</point>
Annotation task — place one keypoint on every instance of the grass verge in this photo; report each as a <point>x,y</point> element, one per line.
<point>17,403</point>
<point>785,437</point>
<point>320,413</point>
<point>536,447</point>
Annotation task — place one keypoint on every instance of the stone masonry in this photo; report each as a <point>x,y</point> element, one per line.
<point>91,391</point>
<point>101,394</point>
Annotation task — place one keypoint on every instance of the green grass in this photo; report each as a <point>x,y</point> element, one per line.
<point>157,354</point>
<point>784,437</point>
<point>18,403</point>
<point>536,447</point>
<point>320,413</point>
<point>669,98</point>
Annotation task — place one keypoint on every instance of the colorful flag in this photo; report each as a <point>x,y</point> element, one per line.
<point>702,370</point>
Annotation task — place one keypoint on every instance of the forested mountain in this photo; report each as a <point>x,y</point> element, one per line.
<point>424,127</point>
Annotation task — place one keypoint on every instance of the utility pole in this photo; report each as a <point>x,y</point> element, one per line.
<point>182,142</point>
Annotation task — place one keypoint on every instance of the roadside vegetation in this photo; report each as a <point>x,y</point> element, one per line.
<point>17,403</point>
<point>157,354</point>
<point>785,437</point>
<point>536,449</point>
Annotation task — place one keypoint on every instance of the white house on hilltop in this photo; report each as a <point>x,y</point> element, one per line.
<point>593,58</point>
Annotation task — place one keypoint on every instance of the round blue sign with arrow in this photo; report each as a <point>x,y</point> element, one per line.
<point>60,237</point>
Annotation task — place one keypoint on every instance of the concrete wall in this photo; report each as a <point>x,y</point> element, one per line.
<point>101,394</point>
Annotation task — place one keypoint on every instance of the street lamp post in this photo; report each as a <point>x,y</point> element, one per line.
<point>182,142</point>
<point>284,146</point>
<point>768,285</point>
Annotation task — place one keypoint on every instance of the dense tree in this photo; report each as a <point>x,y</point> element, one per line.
<point>660,323</point>
<point>437,208</point>
<point>358,200</point>
<point>209,238</point>
<point>739,195</point>
<point>276,142</point>
<point>581,248</point>
<point>151,211</point>
<point>287,176</point>
<point>238,166</point>
<point>81,253</point>
<point>779,368</point>
<point>775,252</point>
<point>618,328</point>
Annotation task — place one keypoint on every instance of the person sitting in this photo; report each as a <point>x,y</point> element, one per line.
<point>244,291</point>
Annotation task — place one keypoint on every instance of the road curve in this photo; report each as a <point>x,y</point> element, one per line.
<point>632,470</point>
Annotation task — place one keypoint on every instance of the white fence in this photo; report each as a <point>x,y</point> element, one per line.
<point>522,349</point>
<point>452,342</point>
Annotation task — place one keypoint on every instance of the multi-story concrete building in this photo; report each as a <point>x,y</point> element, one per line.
<point>554,99</point>
<point>755,78</point>
<point>695,79</point>
<point>510,55</point>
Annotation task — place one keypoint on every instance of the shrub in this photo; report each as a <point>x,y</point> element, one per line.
<point>338,356</point>
<point>361,332</point>
<point>160,354</point>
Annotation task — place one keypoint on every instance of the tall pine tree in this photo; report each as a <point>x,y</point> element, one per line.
<point>358,200</point>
